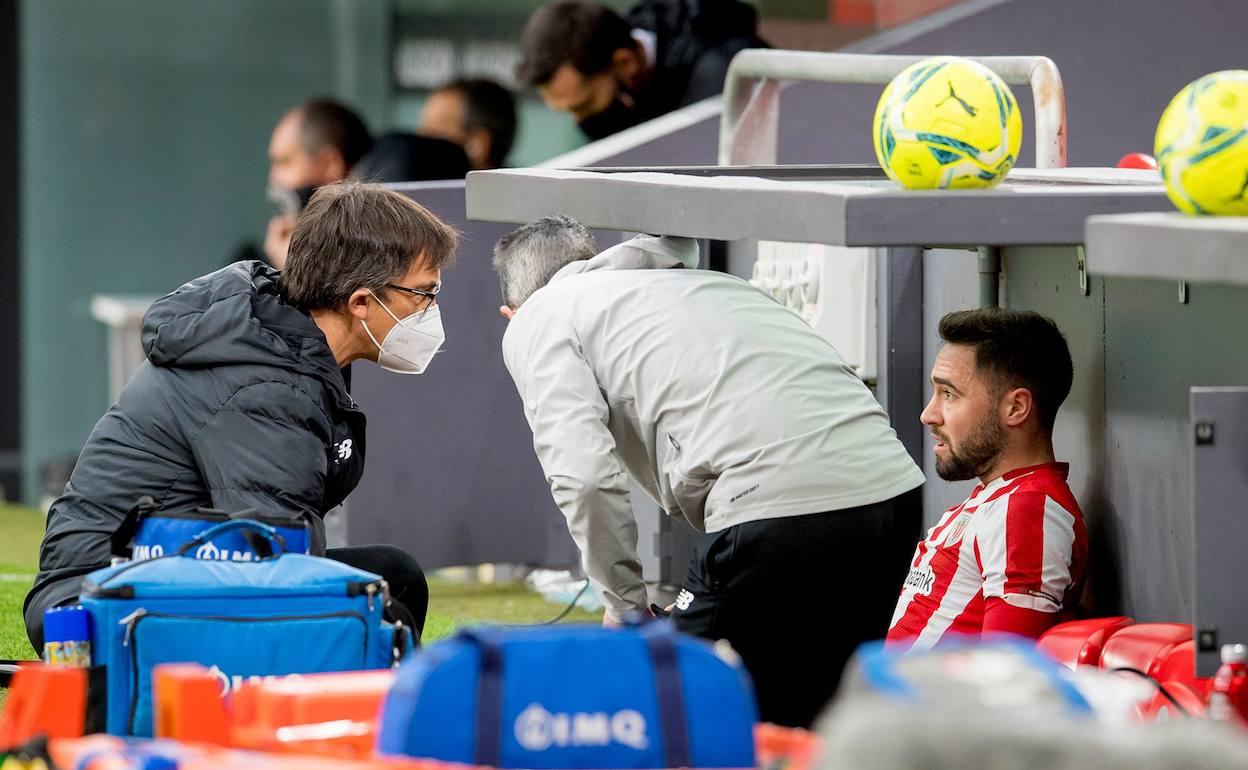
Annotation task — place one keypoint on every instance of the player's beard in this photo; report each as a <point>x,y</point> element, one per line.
<point>976,453</point>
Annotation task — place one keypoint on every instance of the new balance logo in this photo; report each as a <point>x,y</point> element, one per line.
<point>537,729</point>
<point>344,449</point>
<point>684,599</point>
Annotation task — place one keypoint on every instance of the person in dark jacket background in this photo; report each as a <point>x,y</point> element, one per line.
<point>610,73</point>
<point>242,403</point>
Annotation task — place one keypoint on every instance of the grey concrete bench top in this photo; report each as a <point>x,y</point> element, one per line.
<point>1169,245</point>
<point>841,205</point>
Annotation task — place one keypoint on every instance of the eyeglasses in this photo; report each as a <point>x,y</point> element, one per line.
<point>429,294</point>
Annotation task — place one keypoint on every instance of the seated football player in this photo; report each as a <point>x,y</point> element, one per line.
<point>1013,555</point>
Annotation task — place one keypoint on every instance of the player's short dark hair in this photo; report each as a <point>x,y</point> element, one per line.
<point>1018,349</point>
<point>489,106</point>
<point>354,235</point>
<point>577,32</point>
<point>324,122</point>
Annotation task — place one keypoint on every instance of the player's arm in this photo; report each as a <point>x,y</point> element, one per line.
<point>568,415</point>
<point>1026,559</point>
<point>1001,617</point>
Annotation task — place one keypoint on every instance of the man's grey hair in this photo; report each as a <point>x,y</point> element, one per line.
<point>529,256</point>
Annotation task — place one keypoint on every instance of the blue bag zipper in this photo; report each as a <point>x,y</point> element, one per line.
<point>132,621</point>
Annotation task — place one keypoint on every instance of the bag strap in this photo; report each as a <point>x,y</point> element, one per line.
<point>247,525</point>
<point>661,640</point>
<point>488,726</point>
<point>119,541</point>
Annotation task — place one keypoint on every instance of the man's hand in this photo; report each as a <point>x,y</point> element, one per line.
<point>608,621</point>
<point>277,239</point>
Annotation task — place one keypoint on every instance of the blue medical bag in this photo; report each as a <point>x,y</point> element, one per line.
<point>572,697</point>
<point>276,616</point>
<point>148,533</point>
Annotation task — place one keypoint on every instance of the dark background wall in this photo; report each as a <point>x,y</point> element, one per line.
<point>10,308</point>
<point>144,129</point>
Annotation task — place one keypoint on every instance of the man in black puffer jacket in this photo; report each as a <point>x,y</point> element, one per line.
<point>611,73</point>
<point>242,403</point>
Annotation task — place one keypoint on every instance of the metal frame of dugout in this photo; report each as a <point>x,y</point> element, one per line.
<point>1126,427</point>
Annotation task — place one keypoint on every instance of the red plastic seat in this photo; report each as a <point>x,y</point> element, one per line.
<point>1146,647</point>
<point>1080,642</point>
<point>1191,703</point>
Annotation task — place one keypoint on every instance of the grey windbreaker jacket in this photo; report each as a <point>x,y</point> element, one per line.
<point>239,405</point>
<point>724,406</point>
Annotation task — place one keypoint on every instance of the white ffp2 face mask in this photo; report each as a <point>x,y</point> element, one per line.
<point>411,343</point>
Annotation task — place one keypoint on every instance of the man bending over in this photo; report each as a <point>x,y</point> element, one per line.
<point>732,414</point>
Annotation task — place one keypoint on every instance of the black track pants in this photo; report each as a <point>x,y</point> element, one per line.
<point>398,568</point>
<point>796,596</point>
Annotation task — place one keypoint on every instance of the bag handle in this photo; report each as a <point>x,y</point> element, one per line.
<point>660,639</point>
<point>121,537</point>
<point>247,525</point>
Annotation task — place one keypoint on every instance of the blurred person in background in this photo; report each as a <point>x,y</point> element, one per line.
<point>403,157</point>
<point>610,73</point>
<point>242,402</point>
<point>477,114</point>
<point>315,143</point>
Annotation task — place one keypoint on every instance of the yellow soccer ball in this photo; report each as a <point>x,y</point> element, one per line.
<point>947,122</point>
<point>1202,145</point>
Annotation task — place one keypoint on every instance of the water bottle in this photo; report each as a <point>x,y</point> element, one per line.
<point>1228,700</point>
<point>67,637</point>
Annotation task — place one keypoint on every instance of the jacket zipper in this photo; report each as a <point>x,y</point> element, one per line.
<point>132,620</point>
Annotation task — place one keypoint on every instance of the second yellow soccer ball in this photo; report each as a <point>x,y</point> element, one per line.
<point>947,122</point>
<point>1202,145</point>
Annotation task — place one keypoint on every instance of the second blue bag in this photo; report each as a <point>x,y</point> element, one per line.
<point>572,697</point>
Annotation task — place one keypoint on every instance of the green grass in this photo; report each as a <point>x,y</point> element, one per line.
<point>21,529</point>
<point>454,605</point>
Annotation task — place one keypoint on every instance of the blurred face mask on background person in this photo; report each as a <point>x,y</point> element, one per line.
<point>620,114</point>
<point>288,201</point>
<point>411,343</point>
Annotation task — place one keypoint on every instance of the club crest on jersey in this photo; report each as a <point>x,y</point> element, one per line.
<point>920,580</point>
<point>954,533</point>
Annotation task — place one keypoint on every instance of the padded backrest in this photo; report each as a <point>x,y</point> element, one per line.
<point>1080,642</point>
<point>1144,646</point>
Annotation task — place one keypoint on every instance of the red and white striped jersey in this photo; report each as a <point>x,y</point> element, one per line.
<point>1019,538</point>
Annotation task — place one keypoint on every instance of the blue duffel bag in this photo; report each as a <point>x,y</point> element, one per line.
<point>284,614</point>
<point>572,697</point>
